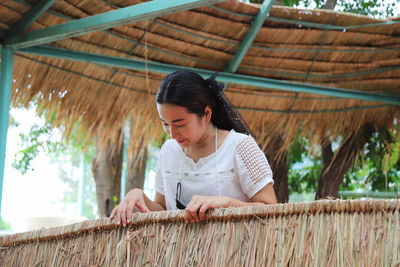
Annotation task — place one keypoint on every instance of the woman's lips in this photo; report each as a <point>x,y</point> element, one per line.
<point>180,141</point>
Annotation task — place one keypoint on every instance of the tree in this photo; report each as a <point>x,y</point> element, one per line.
<point>379,170</point>
<point>279,165</point>
<point>40,138</point>
<point>107,170</point>
<point>375,8</point>
<point>335,166</point>
<point>377,167</point>
<point>136,168</point>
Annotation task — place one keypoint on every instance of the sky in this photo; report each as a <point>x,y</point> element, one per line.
<point>38,192</point>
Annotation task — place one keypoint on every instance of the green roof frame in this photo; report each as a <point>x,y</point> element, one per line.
<point>7,56</point>
<point>250,35</point>
<point>31,16</point>
<point>107,20</point>
<point>163,68</point>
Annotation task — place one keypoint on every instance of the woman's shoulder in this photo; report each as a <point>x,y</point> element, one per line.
<point>235,138</point>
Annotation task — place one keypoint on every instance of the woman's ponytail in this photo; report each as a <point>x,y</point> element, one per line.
<point>226,116</point>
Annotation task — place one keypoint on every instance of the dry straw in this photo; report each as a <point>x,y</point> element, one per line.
<point>320,233</point>
<point>101,98</point>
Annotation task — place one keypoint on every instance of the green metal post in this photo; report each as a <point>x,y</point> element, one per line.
<point>31,16</point>
<point>107,20</point>
<point>250,35</point>
<point>5,96</point>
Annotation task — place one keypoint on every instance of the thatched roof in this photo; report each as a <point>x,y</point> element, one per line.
<point>292,45</point>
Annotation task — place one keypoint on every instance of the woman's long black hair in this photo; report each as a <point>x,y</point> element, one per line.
<point>188,89</point>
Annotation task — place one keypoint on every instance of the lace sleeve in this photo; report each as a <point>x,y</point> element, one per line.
<point>254,170</point>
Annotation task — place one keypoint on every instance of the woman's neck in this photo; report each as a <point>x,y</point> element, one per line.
<point>205,146</point>
<point>207,139</point>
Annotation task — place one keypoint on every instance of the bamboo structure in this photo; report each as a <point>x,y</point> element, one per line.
<point>319,233</point>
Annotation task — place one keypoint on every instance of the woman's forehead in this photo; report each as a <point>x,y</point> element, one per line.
<point>172,113</point>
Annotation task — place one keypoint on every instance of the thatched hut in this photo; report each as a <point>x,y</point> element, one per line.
<point>310,49</point>
<point>289,71</point>
<point>319,73</point>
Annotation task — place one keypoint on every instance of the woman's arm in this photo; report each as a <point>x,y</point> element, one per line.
<point>157,204</point>
<point>198,205</point>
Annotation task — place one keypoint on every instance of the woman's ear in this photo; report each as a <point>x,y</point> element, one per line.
<point>207,113</point>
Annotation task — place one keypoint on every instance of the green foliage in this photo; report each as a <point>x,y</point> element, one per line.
<point>38,139</point>
<point>41,139</point>
<point>5,225</point>
<point>373,8</point>
<point>379,168</point>
<point>304,169</point>
<point>12,122</point>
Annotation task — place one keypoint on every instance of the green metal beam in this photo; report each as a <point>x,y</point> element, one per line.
<point>232,42</point>
<point>104,21</point>
<point>222,76</point>
<point>31,16</point>
<point>250,35</point>
<point>5,96</point>
<point>312,24</point>
<point>331,27</point>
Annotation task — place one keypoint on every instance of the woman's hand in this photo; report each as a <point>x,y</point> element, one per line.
<point>134,198</point>
<point>198,206</point>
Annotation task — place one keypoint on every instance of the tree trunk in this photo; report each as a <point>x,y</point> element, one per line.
<point>330,4</point>
<point>327,155</point>
<point>332,174</point>
<point>106,168</point>
<point>279,166</point>
<point>136,170</point>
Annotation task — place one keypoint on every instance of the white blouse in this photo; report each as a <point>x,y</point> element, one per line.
<point>239,170</point>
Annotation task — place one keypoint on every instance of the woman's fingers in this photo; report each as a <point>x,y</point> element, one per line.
<point>193,208</point>
<point>122,214</point>
<point>188,216</point>
<point>203,209</point>
<point>128,212</point>
<point>113,212</point>
<point>141,206</point>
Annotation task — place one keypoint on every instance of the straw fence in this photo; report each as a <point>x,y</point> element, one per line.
<point>320,233</point>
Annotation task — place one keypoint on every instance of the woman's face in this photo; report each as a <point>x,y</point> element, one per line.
<point>186,128</point>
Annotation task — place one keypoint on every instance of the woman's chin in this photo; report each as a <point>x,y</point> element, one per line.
<point>183,143</point>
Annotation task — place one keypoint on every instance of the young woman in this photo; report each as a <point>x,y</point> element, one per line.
<point>209,162</point>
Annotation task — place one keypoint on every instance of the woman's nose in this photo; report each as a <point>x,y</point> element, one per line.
<point>173,132</point>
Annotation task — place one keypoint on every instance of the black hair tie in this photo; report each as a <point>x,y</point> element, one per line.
<point>217,89</point>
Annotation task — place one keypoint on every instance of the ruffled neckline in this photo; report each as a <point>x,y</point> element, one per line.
<point>205,159</point>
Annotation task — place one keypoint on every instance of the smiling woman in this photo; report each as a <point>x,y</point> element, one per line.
<point>210,161</point>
